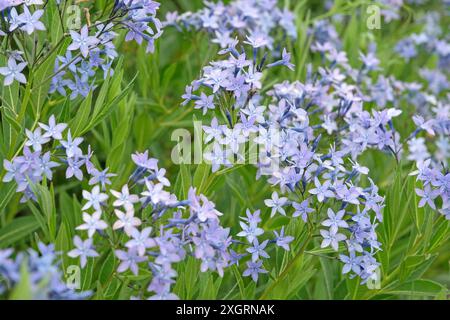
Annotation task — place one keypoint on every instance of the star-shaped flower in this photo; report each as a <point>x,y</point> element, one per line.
<point>94,198</point>
<point>92,223</point>
<point>83,249</point>
<point>82,41</point>
<point>13,72</point>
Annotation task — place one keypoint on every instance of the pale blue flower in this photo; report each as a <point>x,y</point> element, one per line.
<point>282,240</point>
<point>53,130</point>
<point>331,238</point>
<point>13,72</point>
<point>92,223</point>
<point>254,269</point>
<point>30,21</point>
<point>94,198</point>
<point>35,139</point>
<point>83,249</point>
<point>335,220</point>
<point>141,240</point>
<point>276,203</point>
<point>257,250</point>
<point>82,41</point>
<point>302,209</point>
<point>129,260</point>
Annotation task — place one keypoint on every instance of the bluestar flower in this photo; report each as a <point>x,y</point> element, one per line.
<point>205,103</point>
<point>322,191</point>
<point>218,157</point>
<point>250,231</point>
<point>302,209</point>
<point>285,61</point>
<point>142,160</point>
<point>257,250</point>
<point>34,166</point>
<point>427,196</point>
<point>252,217</point>
<point>35,139</point>
<point>29,22</point>
<point>92,223</point>
<point>72,146</point>
<point>101,177</point>
<point>53,130</point>
<point>12,168</point>
<point>9,3</point>
<point>83,41</point>
<point>207,210</point>
<point>282,240</point>
<point>83,249</point>
<point>73,168</point>
<point>124,198</point>
<point>276,203</point>
<point>155,193</point>
<point>351,263</point>
<point>254,269</point>
<point>46,279</point>
<point>161,177</point>
<point>129,260</point>
<point>13,72</point>
<point>44,168</point>
<point>233,138</point>
<point>127,221</point>
<point>94,198</point>
<point>331,238</point>
<point>335,220</point>
<point>141,240</point>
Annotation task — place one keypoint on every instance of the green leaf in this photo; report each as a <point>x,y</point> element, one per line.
<point>79,123</point>
<point>417,288</point>
<point>18,229</point>
<point>201,176</point>
<point>107,268</point>
<point>441,235</point>
<point>183,182</point>
<point>7,191</point>
<point>41,83</point>
<point>40,218</point>
<point>46,201</point>
<point>23,290</point>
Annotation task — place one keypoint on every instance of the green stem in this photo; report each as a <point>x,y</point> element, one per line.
<point>288,267</point>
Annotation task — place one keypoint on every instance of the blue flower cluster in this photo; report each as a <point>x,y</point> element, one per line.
<point>308,136</point>
<point>41,267</point>
<point>256,20</point>
<point>432,131</point>
<point>94,48</point>
<point>91,47</point>
<point>45,149</point>
<point>151,229</point>
<point>300,115</point>
<point>18,20</point>
<point>289,149</point>
<point>432,40</point>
